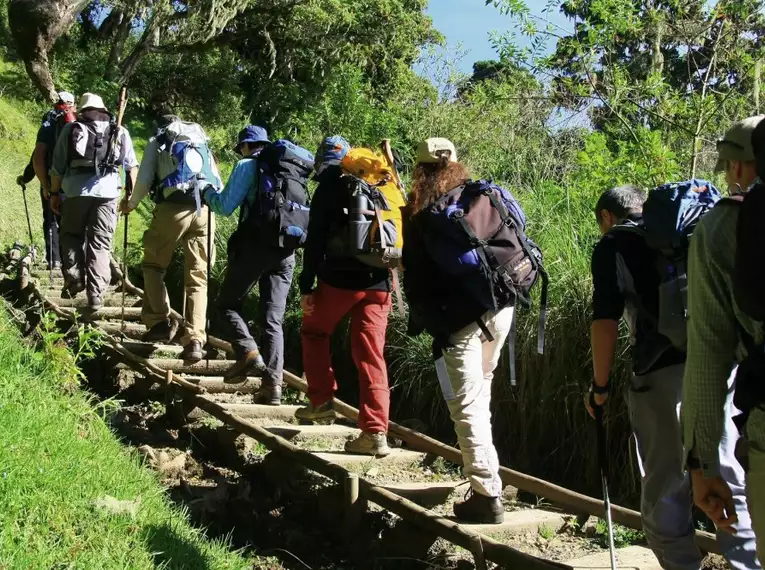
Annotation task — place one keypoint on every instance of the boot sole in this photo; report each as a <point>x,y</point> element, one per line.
<point>478,520</point>
<point>368,453</point>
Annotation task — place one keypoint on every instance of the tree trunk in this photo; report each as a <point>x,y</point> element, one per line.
<point>35,26</point>
<point>149,39</point>
<point>118,47</point>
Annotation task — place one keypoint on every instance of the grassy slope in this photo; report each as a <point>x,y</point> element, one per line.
<point>59,460</point>
<point>57,456</point>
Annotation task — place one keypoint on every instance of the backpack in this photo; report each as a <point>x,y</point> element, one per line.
<point>281,207</point>
<point>476,234</point>
<point>90,146</point>
<point>372,232</point>
<point>670,215</point>
<point>188,147</point>
<point>748,276</point>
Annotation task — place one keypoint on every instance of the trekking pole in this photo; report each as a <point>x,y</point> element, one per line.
<point>603,465</point>
<point>124,268</point>
<point>50,242</point>
<point>209,270</point>
<point>26,209</point>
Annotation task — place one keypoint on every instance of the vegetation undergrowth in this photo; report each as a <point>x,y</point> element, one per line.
<point>72,495</point>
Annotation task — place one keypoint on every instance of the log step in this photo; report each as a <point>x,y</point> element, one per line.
<point>132,330</point>
<point>402,458</point>
<point>630,558</point>
<point>110,300</point>
<point>217,385</point>
<point>252,411</point>
<point>315,436</point>
<point>426,495</point>
<point>522,522</point>
<point>203,367</point>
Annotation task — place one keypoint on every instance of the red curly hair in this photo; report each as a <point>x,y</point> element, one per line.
<point>431,181</point>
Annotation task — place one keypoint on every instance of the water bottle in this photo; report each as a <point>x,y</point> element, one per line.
<point>358,225</point>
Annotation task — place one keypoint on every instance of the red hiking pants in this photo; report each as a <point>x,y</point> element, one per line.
<point>369,320</point>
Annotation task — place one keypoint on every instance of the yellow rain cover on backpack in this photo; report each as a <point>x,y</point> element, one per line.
<point>373,169</point>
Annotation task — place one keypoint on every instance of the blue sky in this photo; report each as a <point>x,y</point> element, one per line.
<point>470,22</point>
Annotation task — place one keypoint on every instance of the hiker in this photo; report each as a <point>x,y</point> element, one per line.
<point>336,281</point>
<point>725,308</point>
<point>85,168</point>
<point>464,280</point>
<point>269,183</point>
<point>627,284</point>
<point>177,167</point>
<point>39,165</point>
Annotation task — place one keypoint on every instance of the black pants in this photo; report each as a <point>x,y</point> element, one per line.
<point>271,269</point>
<point>51,224</point>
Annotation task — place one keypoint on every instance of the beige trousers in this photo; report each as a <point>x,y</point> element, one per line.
<point>465,372</point>
<point>171,224</point>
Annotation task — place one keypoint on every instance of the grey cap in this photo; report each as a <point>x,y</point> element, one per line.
<point>737,142</point>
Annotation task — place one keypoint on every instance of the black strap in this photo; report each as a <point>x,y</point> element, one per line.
<point>485,330</point>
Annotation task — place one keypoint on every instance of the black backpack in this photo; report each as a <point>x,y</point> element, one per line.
<point>748,282</point>
<point>97,157</point>
<point>281,210</point>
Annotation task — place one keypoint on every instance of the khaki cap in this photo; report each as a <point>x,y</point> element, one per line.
<point>91,101</point>
<point>737,142</point>
<point>430,151</point>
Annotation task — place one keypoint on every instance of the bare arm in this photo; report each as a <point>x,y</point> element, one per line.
<point>41,169</point>
<point>604,336</point>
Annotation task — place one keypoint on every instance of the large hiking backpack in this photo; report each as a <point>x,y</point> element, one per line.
<point>91,146</point>
<point>670,215</point>
<point>281,209</point>
<point>372,232</point>
<point>189,149</point>
<point>476,235</point>
<point>748,280</point>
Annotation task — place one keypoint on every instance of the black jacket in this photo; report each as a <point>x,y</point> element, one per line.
<point>327,217</point>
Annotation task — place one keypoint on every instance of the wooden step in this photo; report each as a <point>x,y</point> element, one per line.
<point>426,495</point>
<point>521,522</point>
<point>217,385</point>
<point>630,558</point>
<point>132,330</point>
<point>111,300</point>
<point>203,367</point>
<point>316,436</point>
<point>402,458</point>
<point>252,411</point>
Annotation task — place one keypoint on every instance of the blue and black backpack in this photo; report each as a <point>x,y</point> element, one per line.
<point>189,149</point>
<point>281,206</point>
<point>670,215</point>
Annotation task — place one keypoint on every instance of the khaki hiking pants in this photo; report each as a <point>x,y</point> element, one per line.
<point>465,372</point>
<point>171,224</point>
<point>87,230</point>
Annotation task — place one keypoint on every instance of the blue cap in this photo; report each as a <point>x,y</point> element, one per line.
<point>332,148</point>
<point>252,134</point>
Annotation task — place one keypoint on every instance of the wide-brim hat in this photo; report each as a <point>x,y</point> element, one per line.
<point>91,101</point>
<point>432,150</point>
<point>736,144</point>
<point>251,134</point>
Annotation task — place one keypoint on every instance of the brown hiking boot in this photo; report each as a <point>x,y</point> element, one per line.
<point>479,509</point>
<point>268,395</point>
<point>323,413</point>
<point>192,352</point>
<point>250,362</point>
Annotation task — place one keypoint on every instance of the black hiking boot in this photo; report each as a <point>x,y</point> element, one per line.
<point>250,362</point>
<point>163,331</point>
<point>268,395</point>
<point>479,509</point>
<point>192,352</point>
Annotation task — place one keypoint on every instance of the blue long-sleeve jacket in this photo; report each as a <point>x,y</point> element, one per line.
<point>241,187</point>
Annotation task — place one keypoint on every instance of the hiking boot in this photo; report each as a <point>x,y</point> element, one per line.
<point>88,314</point>
<point>192,352</point>
<point>322,413</point>
<point>268,395</point>
<point>369,444</point>
<point>163,331</point>
<point>479,509</point>
<point>250,362</point>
